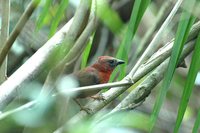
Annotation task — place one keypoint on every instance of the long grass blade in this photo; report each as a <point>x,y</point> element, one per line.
<point>184,26</point>
<point>109,17</point>
<point>194,67</point>
<point>197,123</point>
<point>59,14</point>
<point>138,10</point>
<point>43,15</point>
<point>86,52</point>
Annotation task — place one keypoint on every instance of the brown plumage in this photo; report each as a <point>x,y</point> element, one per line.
<point>97,73</point>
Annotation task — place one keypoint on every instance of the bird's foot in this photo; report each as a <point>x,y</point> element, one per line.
<point>87,110</point>
<point>98,97</point>
<point>82,107</point>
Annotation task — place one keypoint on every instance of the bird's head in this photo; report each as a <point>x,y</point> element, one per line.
<point>107,63</point>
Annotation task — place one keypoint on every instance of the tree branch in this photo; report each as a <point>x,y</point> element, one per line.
<point>70,58</point>
<point>33,66</point>
<point>155,41</point>
<point>134,98</point>
<point>4,36</point>
<point>73,55</point>
<point>162,15</point>
<point>111,94</point>
<point>65,92</point>
<point>141,92</point>
<point>18,28</point>
<point>8,90</point>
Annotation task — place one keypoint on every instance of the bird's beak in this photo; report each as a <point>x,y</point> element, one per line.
<point>120,62</point>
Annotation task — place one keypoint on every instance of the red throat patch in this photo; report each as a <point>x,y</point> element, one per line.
<point>105,76</point>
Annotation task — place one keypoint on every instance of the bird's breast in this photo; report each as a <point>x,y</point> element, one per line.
<point>104,77</point>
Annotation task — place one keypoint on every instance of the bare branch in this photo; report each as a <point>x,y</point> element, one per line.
<point>37,62</point>
<point>111,94</point>
<point>66,92</point>
<point>154,43</point>
<point>32,67</point>
<point>23,107</point>
<point>134,97</point>
<point>162,15</point>
<point>71,57</point>
<point>141,92</point>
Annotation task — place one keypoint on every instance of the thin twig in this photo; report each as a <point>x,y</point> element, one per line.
<point>144,89</point>
<point>95,106</point>
<point>162,15</point>
<point>67,92</point>
<point>21,108</point>
<point>111,94</point>
<point>94,87</point>
<point>141,92</point>
<point>187,50</point>
<point>155,42</point>
<point>72,56</point>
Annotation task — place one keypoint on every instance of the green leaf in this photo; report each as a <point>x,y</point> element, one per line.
<point>194,67</point>
<point>184,26</point>
<point>44,14</point>
<point>138,10</point>
<point>86,52</point>
<point>61,9</point>
<point>197,123</point>
<point>109,17</point>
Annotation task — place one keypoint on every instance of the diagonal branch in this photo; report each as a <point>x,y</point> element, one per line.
<point>4,35</point>
<point>133,99</point>
<point>32,67</point>
<point>72,56</point>
<point>155,41</point>
<point>146,39</point>
<point>138,95</point>
<point>18,28</point>
<point>95,106</point>
<point>8,90</point>
<point>111,94</point>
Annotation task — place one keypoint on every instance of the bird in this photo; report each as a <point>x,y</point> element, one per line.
<point>97,73</point>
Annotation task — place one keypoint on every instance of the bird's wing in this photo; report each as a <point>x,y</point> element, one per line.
<point>87,77</point>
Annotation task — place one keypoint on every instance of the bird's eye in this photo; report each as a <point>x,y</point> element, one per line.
<point>111,61</point>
